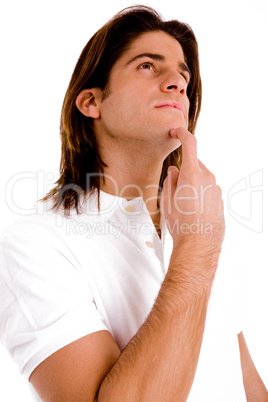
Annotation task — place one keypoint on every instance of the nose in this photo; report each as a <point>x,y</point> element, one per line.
<point>174,82</point>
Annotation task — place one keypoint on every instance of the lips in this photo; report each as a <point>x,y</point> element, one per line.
<point>171,104</point>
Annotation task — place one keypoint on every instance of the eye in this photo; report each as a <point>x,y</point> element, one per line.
<point>186,77</point>
<point>146,66</point>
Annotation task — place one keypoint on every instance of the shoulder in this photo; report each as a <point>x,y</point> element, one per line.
<point>45,224</point>
<point>49,241</point>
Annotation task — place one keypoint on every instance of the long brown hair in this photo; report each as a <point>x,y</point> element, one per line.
<point>80,156</point>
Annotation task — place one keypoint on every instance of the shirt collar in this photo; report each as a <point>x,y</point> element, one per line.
<point>113,207</point>
<point>119,209</point>
<point>109,204</point>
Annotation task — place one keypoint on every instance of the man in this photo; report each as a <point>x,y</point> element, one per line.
<point>105,297</point>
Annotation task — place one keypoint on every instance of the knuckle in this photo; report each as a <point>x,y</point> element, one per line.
<point>211,177</point>
<point>219,191</point>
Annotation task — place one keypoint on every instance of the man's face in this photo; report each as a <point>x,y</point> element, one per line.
<point>147,96</point>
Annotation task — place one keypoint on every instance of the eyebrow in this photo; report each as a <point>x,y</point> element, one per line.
<point>159,57</point>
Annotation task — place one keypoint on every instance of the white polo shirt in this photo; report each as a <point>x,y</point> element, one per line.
<point>63,278</point>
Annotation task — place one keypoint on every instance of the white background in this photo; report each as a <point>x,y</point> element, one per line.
<point>40,44</point>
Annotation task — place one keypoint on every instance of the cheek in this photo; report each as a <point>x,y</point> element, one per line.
<point>123,105</point>
<point>120,113</point>
<point>187,107</point>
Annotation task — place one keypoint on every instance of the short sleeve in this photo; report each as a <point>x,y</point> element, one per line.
<point>45,301</point>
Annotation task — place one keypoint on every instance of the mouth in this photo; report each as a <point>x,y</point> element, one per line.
<point>170,104</point>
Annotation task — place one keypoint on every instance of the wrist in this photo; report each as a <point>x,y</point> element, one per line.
<point>195,259</point>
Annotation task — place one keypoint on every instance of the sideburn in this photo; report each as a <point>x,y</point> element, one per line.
<point>106,93</point>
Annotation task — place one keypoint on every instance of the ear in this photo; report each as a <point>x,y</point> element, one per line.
<point>88,102</point>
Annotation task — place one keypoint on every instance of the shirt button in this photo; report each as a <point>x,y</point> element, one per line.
<point>129,208</point>
<point>149,244</point>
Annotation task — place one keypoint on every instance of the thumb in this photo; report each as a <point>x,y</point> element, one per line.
<point>170,184</point>
<point>172,176</point>
<point>169,188</point>
<point>174,171</point>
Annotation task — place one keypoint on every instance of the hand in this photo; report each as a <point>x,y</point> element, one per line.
<point>191,200</point>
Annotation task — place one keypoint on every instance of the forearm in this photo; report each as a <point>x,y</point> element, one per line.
<point>254,387</point>
<point>159,363</point>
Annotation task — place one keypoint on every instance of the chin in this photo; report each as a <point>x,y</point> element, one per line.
<point>165,144</point>
<point>176,124</point>
<point>176,145</point>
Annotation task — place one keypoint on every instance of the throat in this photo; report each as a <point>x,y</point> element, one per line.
<point>156,221</point>
<point>158,232</point>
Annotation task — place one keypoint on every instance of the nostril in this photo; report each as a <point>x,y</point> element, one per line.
<point>172,87</point>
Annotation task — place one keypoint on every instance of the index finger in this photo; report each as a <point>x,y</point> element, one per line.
<point>189,146</point>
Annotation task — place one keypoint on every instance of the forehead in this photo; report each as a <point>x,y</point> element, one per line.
<point>158,42</point>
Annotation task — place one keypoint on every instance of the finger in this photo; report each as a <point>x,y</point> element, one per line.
<point>174,170</point>
<point>201,165</point>
<point>169,188</point>
<point>222,207</point>
<point>189,146</point>
<point>172,176</point>
<point>170,182</point>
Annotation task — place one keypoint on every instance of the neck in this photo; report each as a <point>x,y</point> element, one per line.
<point>134,174</point>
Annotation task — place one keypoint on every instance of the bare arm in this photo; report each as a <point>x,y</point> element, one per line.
<point>253,384</point>
<point>159,363</point>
